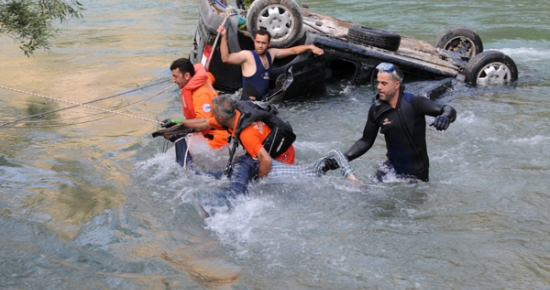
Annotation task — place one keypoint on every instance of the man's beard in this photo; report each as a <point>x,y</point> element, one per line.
<point>261,54</point>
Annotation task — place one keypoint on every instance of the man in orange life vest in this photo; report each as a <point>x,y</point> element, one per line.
<point>196,93</point>
<point>256,163</point>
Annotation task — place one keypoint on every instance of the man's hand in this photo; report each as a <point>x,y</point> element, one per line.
<point>264,163</point>
<point>330,164</point>
<point>167,123</point>
<point>222,31</point>
<point>441,123</point>
<point>316,50</point>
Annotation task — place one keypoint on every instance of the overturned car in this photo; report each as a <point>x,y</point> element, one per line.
<point>352,51</point>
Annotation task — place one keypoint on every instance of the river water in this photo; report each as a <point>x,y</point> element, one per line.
<point>88,200</point>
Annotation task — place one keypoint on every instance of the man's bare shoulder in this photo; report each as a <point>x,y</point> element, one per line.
<point>275,51</point>
<point>246,55</point>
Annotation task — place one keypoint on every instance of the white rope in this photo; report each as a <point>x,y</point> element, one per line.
<point>82,105</point>
<point>187,138</point>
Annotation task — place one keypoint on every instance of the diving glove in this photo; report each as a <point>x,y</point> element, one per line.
<point>441,123</point>
<point>330,164</point>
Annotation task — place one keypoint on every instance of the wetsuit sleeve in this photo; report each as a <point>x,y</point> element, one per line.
<point>449,112</point>
<point>428,107</point>
<point>367,140</point>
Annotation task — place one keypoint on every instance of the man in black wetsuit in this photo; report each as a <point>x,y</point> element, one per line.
<point>401,118</point>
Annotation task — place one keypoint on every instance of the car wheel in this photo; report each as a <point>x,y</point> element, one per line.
<point>460,39</point>
<point>370,36</point>
<point>490,67</point>
<point>281,18</point>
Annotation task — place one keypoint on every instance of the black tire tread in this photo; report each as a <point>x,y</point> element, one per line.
<point>457,31</point>
<point>482,59</point>
<point>370,36</point>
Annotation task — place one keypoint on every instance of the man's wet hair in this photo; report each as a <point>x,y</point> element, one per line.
<point>264,32</point>
<point>399,72</point>
<point>184,65</point>
<point>223,106</point>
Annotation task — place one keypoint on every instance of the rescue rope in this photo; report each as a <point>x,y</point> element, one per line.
<point>229,14</point>
<point>77,105</point>
<point>187,138</point>
<point>93,101</point>
<point>92,115</point>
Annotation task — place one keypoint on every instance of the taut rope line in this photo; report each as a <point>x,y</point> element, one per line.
<point>93,101</point>
<point>76,105</point>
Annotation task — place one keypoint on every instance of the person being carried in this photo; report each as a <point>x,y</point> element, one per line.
<point>196,94</point>
<point>256,64</point>
<point>257,162</point>
<point>401,118</point>
<point>315,169</point>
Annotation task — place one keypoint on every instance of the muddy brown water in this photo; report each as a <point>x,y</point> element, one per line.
<point>89,200</point>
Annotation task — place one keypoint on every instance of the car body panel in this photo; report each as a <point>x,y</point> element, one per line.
<point>342,59</point>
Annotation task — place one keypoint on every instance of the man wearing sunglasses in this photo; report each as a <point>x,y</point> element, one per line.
<point>401,118</point>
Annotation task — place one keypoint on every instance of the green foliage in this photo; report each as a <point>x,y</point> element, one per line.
<point>29,22</point>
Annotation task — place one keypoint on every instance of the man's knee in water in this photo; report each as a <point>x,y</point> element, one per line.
<point>245,169</point>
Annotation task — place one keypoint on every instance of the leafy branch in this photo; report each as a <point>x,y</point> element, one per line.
<point>30,22</point>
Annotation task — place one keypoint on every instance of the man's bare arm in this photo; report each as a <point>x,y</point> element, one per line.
<point>198,123</point>
<point>264,161</point>
<point>235,58</point>
<point>284,52</point>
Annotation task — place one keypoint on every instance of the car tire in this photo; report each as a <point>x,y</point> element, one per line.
<point>281,18</point>
<point>490,67</point>
<point>370,36</point>
<point>454,38</point>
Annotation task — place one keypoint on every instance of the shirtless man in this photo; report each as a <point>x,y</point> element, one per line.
<point>256,64</point>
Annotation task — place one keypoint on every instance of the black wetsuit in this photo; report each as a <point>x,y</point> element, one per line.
<point>404,129</point>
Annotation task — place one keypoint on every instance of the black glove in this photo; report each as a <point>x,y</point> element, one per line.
<point>441,123</point>
<point>167,123</point>
<point>330,164</point>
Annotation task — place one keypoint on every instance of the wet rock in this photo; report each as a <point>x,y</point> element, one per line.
<point>202,266</point>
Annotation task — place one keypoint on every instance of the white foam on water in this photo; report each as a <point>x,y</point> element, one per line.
<point>170,183</point>
<point>347,89</point>
<point>467,117</point>
<point>526,53</point>
<point>535,140</point>
<point>157,166</point>
<point>236,227</point>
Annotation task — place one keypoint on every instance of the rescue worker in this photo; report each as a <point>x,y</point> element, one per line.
<point>257,162</point>
<point>226,116</point>
<point>196,93</point>
<point>256,64</point>
<point>400,117</point>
